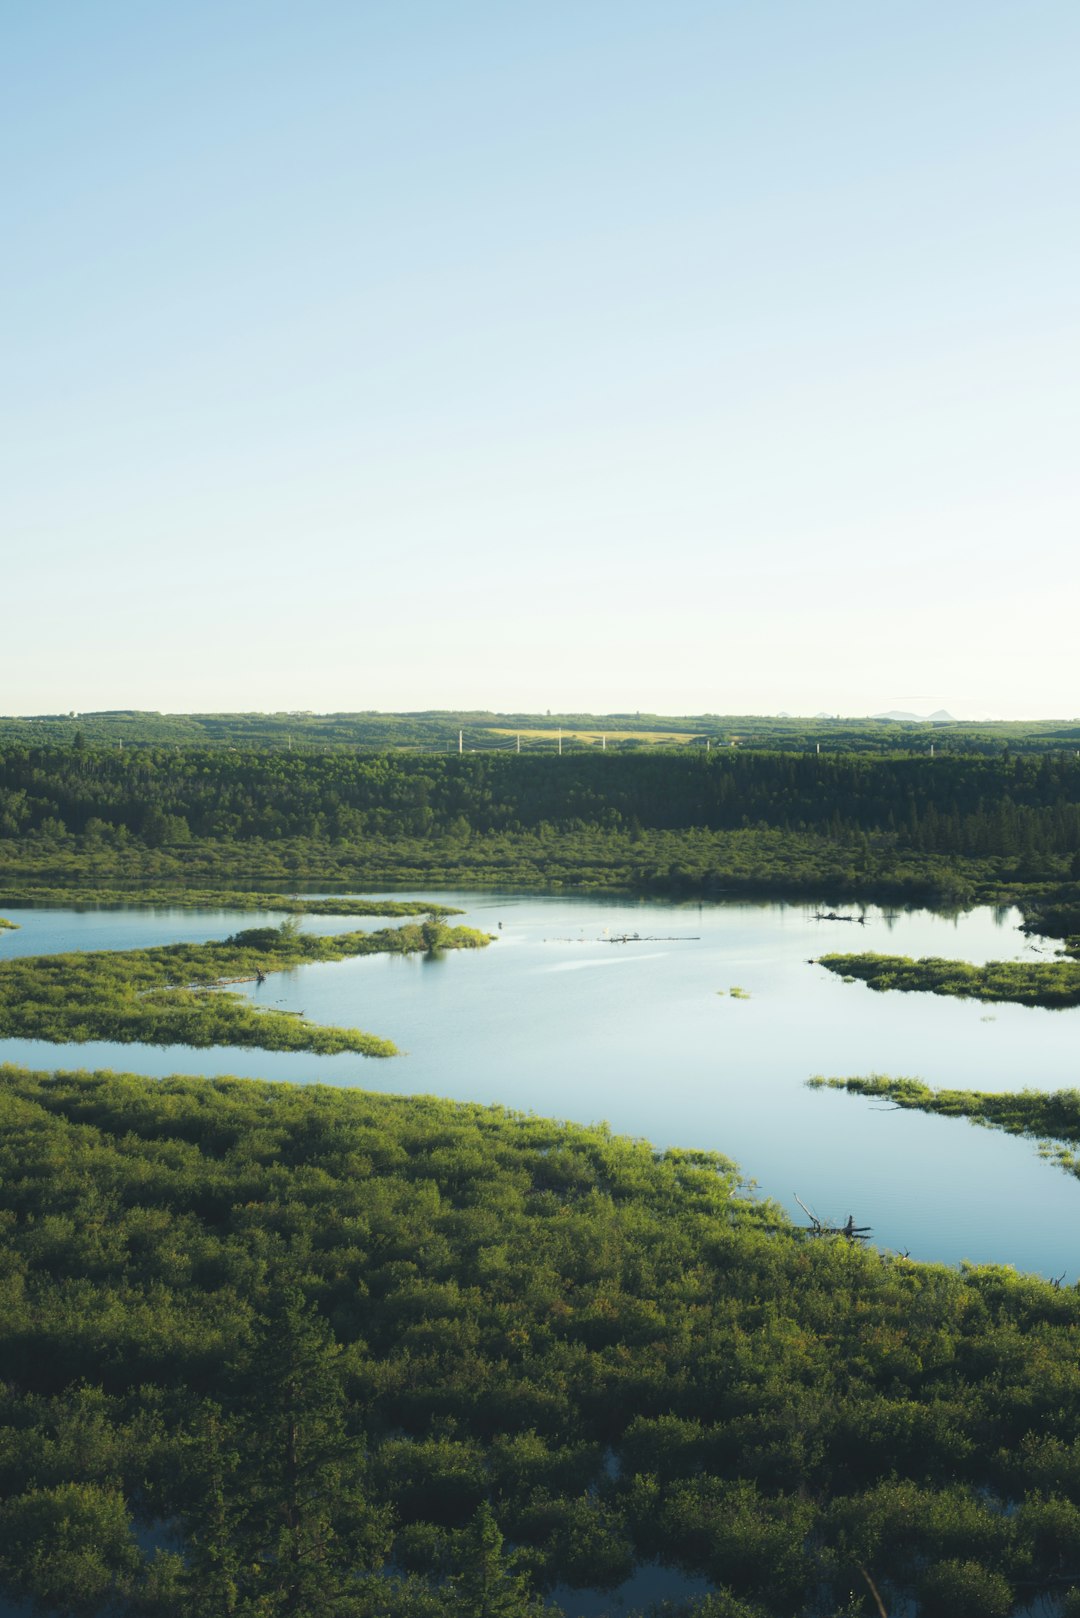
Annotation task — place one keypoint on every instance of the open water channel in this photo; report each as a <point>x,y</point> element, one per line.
<point>559,1018</point>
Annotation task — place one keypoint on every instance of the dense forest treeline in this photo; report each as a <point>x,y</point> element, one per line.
<point>948,829</point>
<point>192,898</point>
<point>441,731</point>
<point>338,1353</point>
<point>967,806</point>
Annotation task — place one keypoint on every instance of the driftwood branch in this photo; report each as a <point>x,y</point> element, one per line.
<point>874,1591</point>
<point>853,1232</point>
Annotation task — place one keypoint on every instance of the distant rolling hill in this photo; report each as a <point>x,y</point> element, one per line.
<point>941,717</point>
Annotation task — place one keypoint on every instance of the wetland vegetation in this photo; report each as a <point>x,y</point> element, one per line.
<point>176,994</point>
<point>1026,983</point>
<point>335,1352</point>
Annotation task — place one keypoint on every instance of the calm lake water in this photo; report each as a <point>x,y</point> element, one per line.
<point>556,1018</point>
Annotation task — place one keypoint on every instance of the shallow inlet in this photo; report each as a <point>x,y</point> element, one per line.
<point>558,1018</point>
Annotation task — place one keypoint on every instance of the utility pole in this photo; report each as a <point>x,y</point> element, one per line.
<point>519,742</point>
<point>560,741</point>
<point>603,743</point>
<point>459,746</point>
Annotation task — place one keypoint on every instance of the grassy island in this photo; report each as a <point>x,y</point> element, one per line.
<point>10,925</point>
<point>353,1348</point>
<point>1043,983</point>
<point>176,994</point>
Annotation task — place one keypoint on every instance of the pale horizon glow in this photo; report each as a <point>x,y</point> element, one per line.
<point>634,357</point>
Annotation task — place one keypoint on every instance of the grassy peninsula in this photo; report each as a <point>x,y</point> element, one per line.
<point>1047,1116</point>
<point>176,994</point>
<point>1055,984</point>
<point>1053,1113</point>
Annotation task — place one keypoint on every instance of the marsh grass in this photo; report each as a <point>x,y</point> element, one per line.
<point>1054,984</point>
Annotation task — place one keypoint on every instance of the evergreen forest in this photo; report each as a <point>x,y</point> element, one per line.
<point>952,829</point>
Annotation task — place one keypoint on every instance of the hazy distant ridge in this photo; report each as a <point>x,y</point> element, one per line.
<point>941,717</point>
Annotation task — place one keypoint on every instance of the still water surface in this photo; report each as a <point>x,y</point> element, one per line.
<point>557,1019</point>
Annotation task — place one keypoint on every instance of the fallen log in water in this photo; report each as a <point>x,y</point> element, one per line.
<point>850,1230</point>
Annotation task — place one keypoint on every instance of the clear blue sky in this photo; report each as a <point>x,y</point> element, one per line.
<point>591,355</point>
